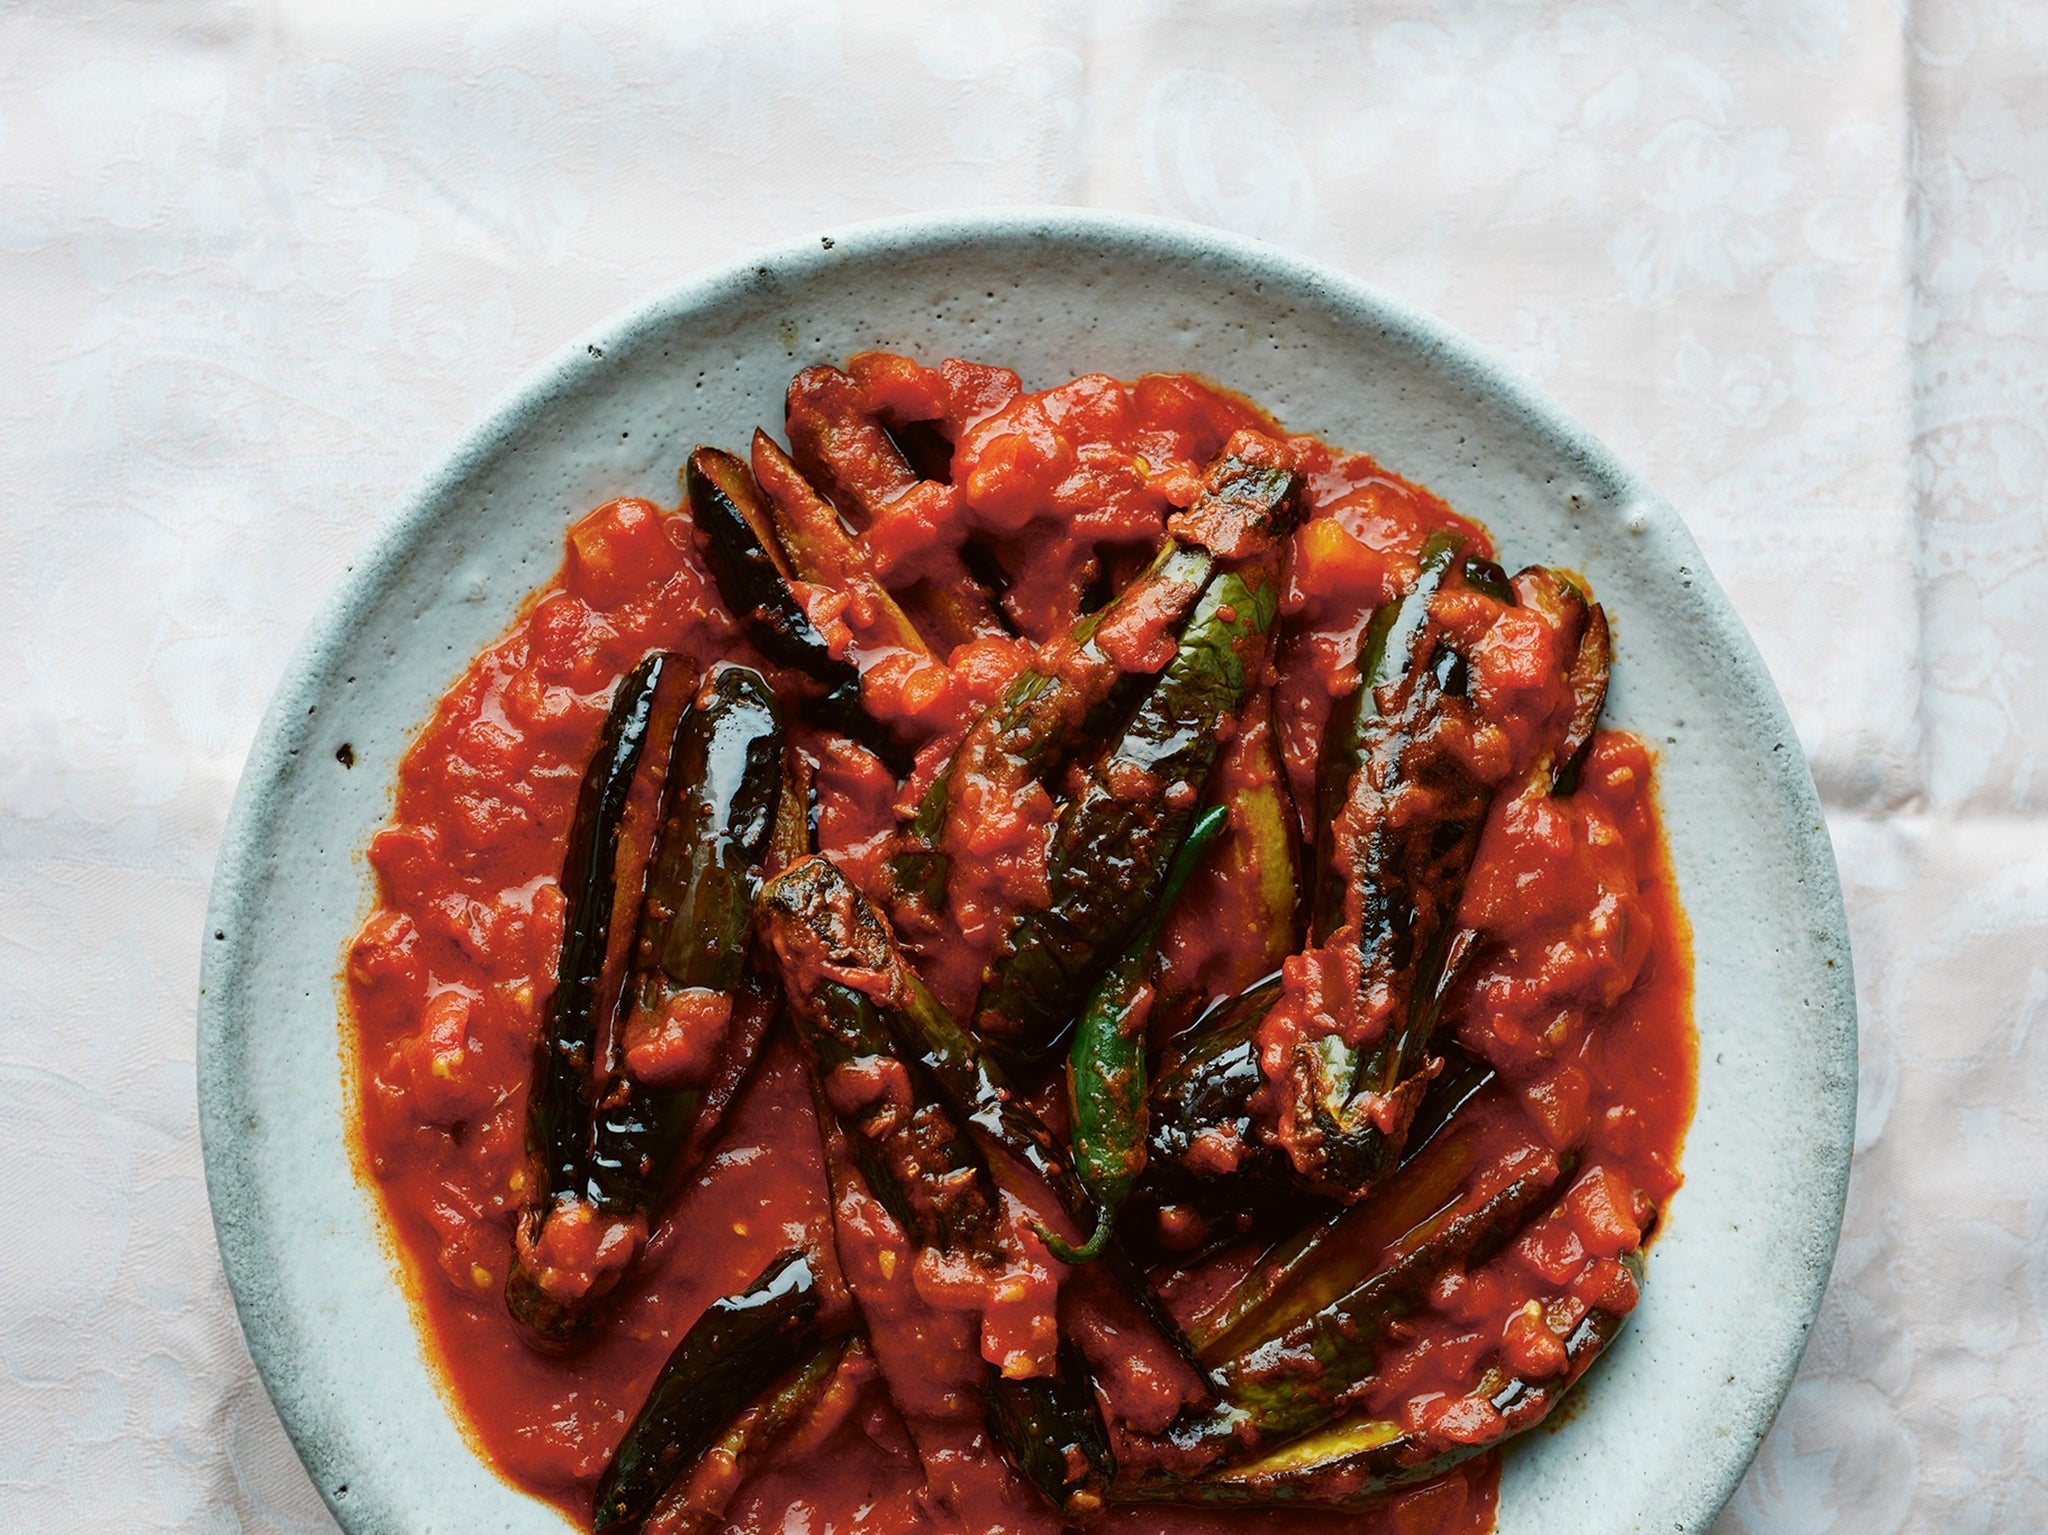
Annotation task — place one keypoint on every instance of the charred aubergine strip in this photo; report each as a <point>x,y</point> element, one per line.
<point>1029,732</point>
<point>1114,840</point>
<point>850,456</point>
<point>1354,1463</point>
<point>737,534</point>
<point>1386,890</point>
<point>1299,1377</point>
<point>822,552</point>
<point>835,958</point>
<point>1427,1181</point>
<point>735,1353</point>
<point>684,1006</point>
<point>931,1040</point>
<point>560,1107</point>
<point>1388,884</point>
<point>975,1087</point>
<point>696,1500</point>
<point>911,1151</point>
<point>1053,1432</point>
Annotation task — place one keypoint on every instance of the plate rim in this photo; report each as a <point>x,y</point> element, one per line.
<point>240,870</point>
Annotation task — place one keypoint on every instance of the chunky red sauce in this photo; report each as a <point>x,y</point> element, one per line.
<point>1582,1000</point>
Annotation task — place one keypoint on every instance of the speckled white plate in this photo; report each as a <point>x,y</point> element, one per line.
<point>1668,1420</point>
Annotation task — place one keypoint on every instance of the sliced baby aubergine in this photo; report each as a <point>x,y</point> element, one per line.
<point>1249,500</point>
<point>1052,1429</point>
<point>1296,1378</point>
<point>1591,664</point>
<point>1388,879</point>
<point>1106,1083</point>
<point>560,1104</point>
<point>978,1089</point>
<point>973,1087</point>
<point>1114,840</point>
<point>849,455</point>
<point>1200,1111</point>
<point>683,1004</point>
<point>753,575</point>
<point>740,1348</point>
<point>1356,1462</point>
<point>842,449</point>
<point>696,1501</point>
<point>1046,710</point>
<point>1049,710</point>
<point>1259,1304</point>
<point>1383,650</point>
<point>835,957</point>
<point>820,550</point>
<point>1261,850</point>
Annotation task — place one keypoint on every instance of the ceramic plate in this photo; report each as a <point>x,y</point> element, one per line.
<point>1666,1422</point>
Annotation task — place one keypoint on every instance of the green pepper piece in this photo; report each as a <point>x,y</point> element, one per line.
<point>1106,1083</point>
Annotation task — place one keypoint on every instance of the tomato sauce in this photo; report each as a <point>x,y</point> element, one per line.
<point>1581,997</point>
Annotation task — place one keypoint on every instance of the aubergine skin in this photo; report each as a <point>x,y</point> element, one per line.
<point>1200,1120</point>
<point>1032,729</point>
<point>737,534</point>
<point>945,1060</point>
<point>919,1161</point>
<point>1210,1091</point>
<point>561,1107</point>
<point>1399,880</point>
<point>1294,1379</point>
<point>909,1141</point>
<point>737,537</point>
<point>1115,839</point>
<point>719,809</point>
<point>749,1440</point>
<point>1355,1463</point>
<point>737,1350</point>
<point>1087,678</point>
<point>1390,884</point>
<point>1052,1430</point>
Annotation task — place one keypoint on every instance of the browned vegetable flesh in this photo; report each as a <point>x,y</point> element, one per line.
<point>835,957</point>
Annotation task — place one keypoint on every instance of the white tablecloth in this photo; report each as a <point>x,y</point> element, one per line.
<point>259,263</point>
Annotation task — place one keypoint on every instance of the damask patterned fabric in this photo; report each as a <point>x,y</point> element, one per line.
<point>261,263</point>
